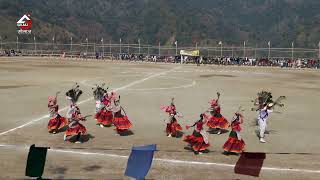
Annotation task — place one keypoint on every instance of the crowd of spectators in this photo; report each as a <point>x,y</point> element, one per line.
<point>240,61</point>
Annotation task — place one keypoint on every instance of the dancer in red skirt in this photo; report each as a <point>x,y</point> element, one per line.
<point>75,128</point>
<point>173,127</point>
<point>235,143</point>
<point>214,118</point>
<point>198,141</point>
<point>56,121</point>
<point>104,114</point>
<point>120,121</point>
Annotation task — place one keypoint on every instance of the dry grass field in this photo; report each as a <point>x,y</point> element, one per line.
<point>293,148</point>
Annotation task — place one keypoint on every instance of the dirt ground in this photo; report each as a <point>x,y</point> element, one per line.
<point>293,148</point>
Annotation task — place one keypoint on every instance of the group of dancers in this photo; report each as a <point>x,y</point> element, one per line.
<point>198,141</point>
<point>108,112</point>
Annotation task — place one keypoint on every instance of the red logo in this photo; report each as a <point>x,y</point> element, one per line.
<point>25,22</point>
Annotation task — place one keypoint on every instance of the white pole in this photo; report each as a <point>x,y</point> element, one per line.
<point>139,46</point>
<point>102,48</point>
<point>176,47</point>
<point>128,48</point>
<point>318,45</point>
<point>17,43</point>
<point>232,50</point>
<point>35,46</point>
<point>71,44</point>
<point>269,44</point>
<point>87,46</point>
<point>1,43</point>
<point>221,50</point>
<point>159,49</point>
<point>110,48</point>
<point>120,46</point>
<point>292,49</point>
<point>52,45</point>
<point>255,52</point>
<point>244,49</point>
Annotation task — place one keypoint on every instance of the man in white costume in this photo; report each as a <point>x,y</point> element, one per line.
<point>262,120</point>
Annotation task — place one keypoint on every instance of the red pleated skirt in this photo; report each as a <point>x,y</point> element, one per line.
<point>57,123</point>
<point>234,145</point>
<point>104,117</point>
<point>196,141</point>
<point>173,128</point>
<point>121,122</point>
<point>78,128</point>
<point>215,122</point>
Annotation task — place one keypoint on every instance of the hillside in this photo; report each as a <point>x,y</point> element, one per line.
<point>188,21</point>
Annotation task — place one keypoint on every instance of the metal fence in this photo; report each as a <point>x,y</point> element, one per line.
<point>114,50</point>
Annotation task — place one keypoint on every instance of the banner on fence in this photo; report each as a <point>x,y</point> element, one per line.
<point>189,53</point>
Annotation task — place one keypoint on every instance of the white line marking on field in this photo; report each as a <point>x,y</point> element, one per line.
<point>184,162</point>
<point>89,99</point>
<point>193,83</point>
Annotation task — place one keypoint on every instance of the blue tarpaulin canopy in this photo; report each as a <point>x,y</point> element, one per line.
<point>140,161</point>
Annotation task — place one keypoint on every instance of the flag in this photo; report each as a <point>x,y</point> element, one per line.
<point>34,38</point>
<point>250,164</point>
<point>292,44</point>
<point>120,40</point>
<point>176,42</point>
<point>140,161</point>
<point>220,43</point>
<point>101,39</point>
<point>269,43</point>
<point>53,38</point>
<point>87,39</point>
<point>36,161</point>
<point>71,38</point>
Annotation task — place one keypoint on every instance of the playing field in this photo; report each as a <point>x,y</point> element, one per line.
<point>293,147</point>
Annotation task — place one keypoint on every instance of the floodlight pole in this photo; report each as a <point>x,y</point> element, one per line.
<point>221,50</point>
<point>17,43</point>
<point>292,49</point>
<point>35,45</point>
<point>139,46</point>
<point>244,49</point>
